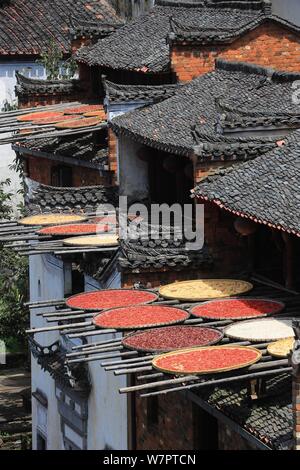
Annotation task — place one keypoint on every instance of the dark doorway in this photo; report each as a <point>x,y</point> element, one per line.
<point>170,177</point>
<point>62,176</point>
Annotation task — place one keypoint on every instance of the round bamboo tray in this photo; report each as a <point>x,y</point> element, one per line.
<point>110,298</point>
<point>74,230</point>
<point>52,219</point>
<point>214,308</point>
<point>78,123</point>
<point>86,108</point>
<point>54,120</point>
<point>93,240</point>
<point>163,334</point>
<point>145,316</point>
<point>215,353</point>
<point>96,114</point>
<point>204,289</point>
<point>281,348</point>
<point>41,115</point>
<point>263,330</point>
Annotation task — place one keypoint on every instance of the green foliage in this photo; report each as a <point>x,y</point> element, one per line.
<point>9,106</point>
<point>13,281</point>
<point>69,68</point>
<point>13,292</point>
<point>51,60</point>
<point>5,200</point>
<point>56,68</point>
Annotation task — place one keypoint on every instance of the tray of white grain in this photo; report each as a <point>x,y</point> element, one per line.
<point>264,330</point>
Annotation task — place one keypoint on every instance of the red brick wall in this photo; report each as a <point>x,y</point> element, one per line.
<point>46,100</point>
<point>39,169</point>
<point>228,248</point>
<point>155,279</point>
<point>112,155</point>
<point>268,45</point>
<point>174,429</point>
<point>231,440</point>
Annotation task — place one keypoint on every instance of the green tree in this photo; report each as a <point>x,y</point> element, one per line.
<point>56,68</point>
<point>13,281</point>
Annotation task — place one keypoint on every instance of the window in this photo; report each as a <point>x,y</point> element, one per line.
<point>62,176</point>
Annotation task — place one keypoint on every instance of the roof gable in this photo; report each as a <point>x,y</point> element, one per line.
<point>169,125</point>
<point>26,26</point>
<point>142,44</point>
<point>264,190</point>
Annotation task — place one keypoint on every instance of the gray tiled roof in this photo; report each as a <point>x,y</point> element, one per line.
<point>44,198</point>
<point>30,86</point>
<point>142,44</point>
<point>162,253</point>
<point>269,419</point>
<point>170,125</point>
<point>82,147</point>
<point>117,93</point>
<point>26,26</point>
<point>265,189</point>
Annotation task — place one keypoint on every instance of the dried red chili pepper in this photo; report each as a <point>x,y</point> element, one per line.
<point>207,360</point>
<point>81,229</point>
<point>172,337</point>
<point>140,316</point>
<point>110,298</point>
<point>237,309</point>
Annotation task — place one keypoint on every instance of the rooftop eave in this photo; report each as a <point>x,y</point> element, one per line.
<point>196,193</point>
<point>163,146</point>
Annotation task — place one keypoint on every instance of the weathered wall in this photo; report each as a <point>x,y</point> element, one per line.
<point>171,428</point>
<point>231,440</point>
<point>155,279</point>
<point>7,93</point>
<point>289,9</point>
<point>46,282</point>
<point>268,45</point>
<point>107,424</point>
<point>132,8</point>
<point>134,182</point>
<point>39,169</point>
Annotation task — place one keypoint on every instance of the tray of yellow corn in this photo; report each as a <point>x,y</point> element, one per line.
<point>92,240</point>
<point>281,348</point>
<point>204,289</point>
<point>51,219</point>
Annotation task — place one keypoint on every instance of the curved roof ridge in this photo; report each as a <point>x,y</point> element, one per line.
<point>249,68</point>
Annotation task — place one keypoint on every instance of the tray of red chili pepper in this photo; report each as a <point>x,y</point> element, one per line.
<point>140,316</point>
<point>74,229</point>
<point>208,360</point>
<point>237,308</point>
<point>170,338</point>
<point>110,298</point>
<point>85,108</point>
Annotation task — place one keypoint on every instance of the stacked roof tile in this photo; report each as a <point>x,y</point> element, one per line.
<point>82,148</point>
<point>26,26</point>
<point>161,253</point>
<point>269,419</point>
<point>117,93</point>
<point>42,198</point>
<point>170,125</point>
<point>142,45</point>
<point>31,86</point>
<point>264,190</point>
